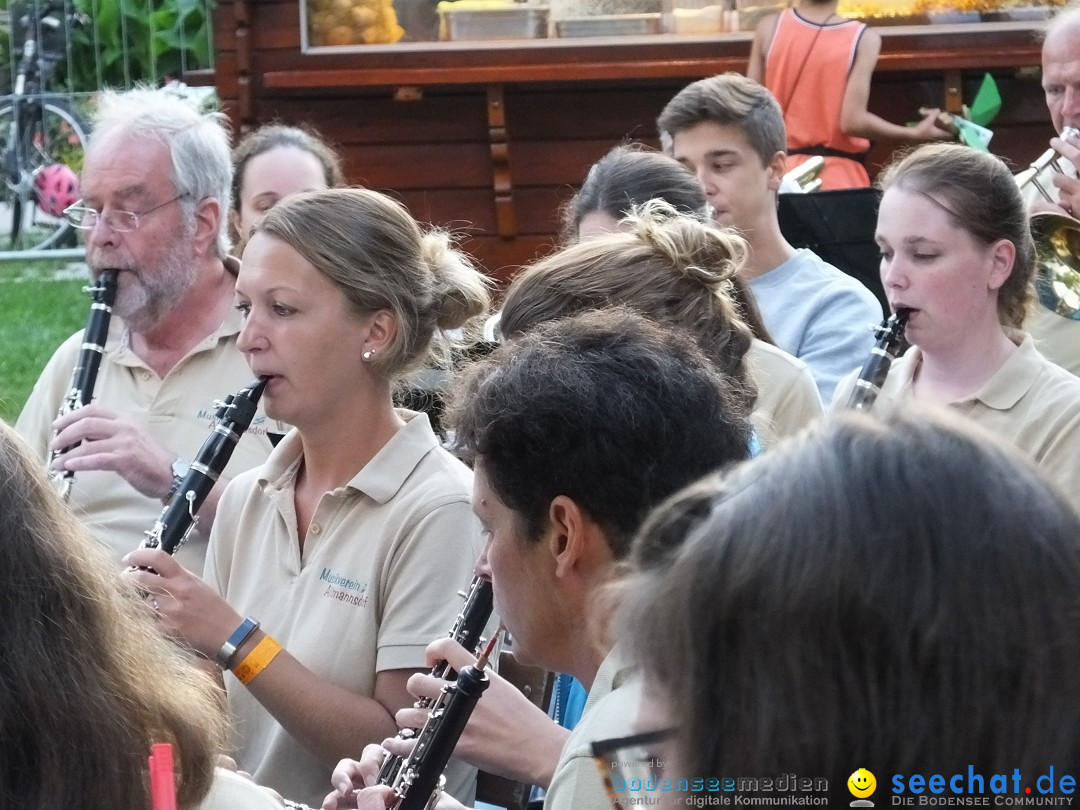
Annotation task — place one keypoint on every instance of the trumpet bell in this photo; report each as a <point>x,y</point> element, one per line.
<point>1057,247</point>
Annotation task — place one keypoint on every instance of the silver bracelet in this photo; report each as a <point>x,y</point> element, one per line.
<point>241,634</point>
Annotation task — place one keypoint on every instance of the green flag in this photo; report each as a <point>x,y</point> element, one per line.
<point>987,102</point>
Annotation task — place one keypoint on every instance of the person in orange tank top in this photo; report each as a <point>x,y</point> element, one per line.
<point>803,55</point>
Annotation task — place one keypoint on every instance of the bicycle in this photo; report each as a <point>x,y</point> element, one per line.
<point>42,137</point>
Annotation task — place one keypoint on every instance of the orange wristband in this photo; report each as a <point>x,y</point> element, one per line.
<point>256,660</point>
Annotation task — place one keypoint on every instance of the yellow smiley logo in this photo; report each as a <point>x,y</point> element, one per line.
<point>861,783</point>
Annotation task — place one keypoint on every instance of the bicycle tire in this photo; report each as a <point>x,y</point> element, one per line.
<point>52,132</point>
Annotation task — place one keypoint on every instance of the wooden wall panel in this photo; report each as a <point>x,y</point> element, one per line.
<point>375,117</point>
<point>503,258</point>
<point>561,106</point>
<point>611,113</point>
<point>470,211</point>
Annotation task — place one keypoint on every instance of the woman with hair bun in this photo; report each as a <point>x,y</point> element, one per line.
<point>677,270</point>
<point>350,543</point>
<point>632,174</point>
<point>710,302</point>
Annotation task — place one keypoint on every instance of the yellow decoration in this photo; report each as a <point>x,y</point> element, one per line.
<point>363,16</point>
<point>338,23</point>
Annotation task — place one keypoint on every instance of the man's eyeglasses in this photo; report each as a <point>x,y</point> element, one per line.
<point>630,767</point>
<point>85,218</point>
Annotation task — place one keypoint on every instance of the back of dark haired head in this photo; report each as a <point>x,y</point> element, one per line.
<point>605,408</point>
<point>906,591</point>
<point>629,175</point>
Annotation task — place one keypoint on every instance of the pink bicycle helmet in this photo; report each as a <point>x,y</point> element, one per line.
<point>56,187</point>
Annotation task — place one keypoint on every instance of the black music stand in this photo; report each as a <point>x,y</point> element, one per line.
<point>839,227</point>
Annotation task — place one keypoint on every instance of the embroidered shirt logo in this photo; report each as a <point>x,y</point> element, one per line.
<point>343,589</point>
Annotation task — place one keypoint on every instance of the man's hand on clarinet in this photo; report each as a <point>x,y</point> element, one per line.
<point>112,441</point>
<point>507,734</point>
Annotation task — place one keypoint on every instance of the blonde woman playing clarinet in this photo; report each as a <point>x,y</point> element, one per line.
<point>334,564</point>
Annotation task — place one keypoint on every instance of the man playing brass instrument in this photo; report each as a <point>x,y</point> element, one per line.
<point>155,188</point>
<point>1061,84</point>
<point>1058,337</point>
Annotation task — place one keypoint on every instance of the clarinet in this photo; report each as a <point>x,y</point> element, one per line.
<point>178,518</point>
<point>81,389</point>
<point>419,781</point>
<point>890,339</point>
<point>466,631</point>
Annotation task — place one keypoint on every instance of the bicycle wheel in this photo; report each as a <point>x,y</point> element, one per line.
<point>50,132</point>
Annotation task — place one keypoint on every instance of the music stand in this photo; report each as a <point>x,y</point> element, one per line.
<point>839,227</point>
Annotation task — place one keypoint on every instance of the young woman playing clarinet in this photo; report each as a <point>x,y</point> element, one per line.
<point>334,564</point>
<point>957,256</point>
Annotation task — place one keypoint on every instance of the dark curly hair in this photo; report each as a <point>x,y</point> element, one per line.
<point>604,407</point>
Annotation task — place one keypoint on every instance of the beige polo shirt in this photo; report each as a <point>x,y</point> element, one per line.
<point>177,411</point>
<point>788,398</point>
<point>1029,402</point>
<point>378,579</point>
<point>610,711</point>
<point>1057,338</point>
<point>231,791</point>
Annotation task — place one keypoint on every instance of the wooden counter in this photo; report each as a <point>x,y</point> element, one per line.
<point>490,139</point>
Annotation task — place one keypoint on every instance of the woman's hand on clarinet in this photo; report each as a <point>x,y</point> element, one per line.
<point>507,734</point>
<point>189,610</point>
<point>114,442</point>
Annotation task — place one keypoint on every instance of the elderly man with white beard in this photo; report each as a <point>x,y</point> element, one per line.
<point>155,192</point>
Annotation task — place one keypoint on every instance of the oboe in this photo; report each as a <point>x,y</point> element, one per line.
<point>81,390</point>
<point>466,631</point>
<point>178,518</point>
<point>419,780</point>
<point>890,338</point>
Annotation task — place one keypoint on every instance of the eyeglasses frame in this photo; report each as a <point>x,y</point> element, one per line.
<point>91,216</point>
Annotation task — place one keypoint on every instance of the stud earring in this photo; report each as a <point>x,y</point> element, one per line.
<point>368,354</point>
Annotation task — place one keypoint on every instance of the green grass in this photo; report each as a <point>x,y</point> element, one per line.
<point>39,308</point>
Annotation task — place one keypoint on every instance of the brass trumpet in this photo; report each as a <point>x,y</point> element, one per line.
<point>1049,158</point>
<point>1057,242</point>
<point>805,176</point>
